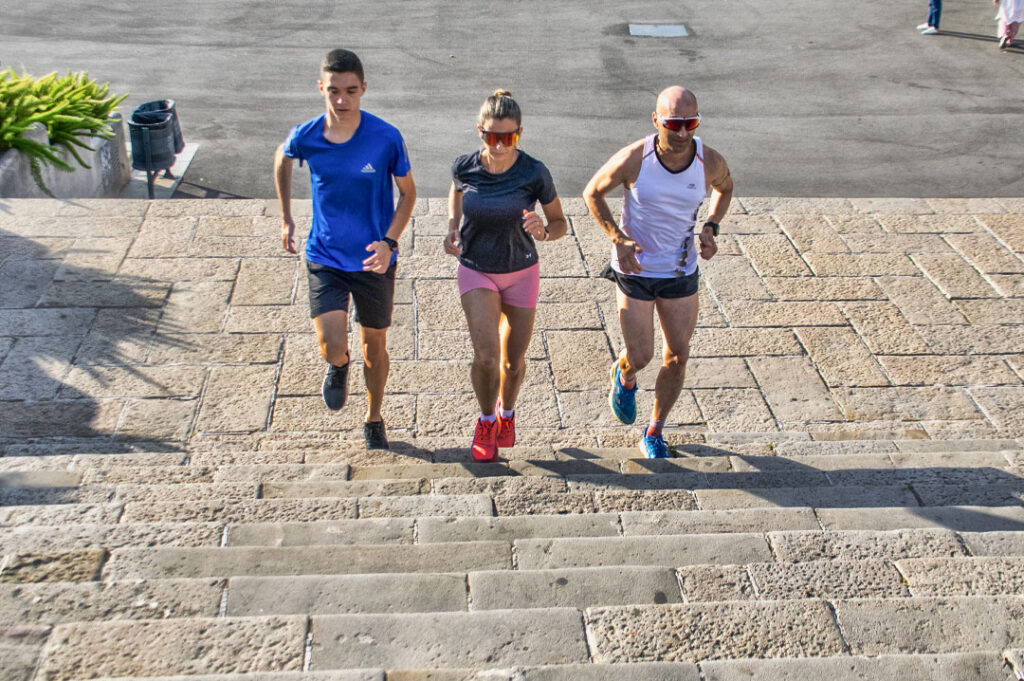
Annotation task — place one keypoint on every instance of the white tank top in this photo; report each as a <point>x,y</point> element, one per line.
<point>660,211</point>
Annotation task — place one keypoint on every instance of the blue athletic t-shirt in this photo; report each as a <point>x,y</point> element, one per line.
<point>353,195</point>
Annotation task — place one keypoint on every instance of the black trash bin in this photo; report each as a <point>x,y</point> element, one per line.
<point>156,138</point>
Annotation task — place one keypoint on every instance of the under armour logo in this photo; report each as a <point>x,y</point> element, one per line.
<point>368,169</point>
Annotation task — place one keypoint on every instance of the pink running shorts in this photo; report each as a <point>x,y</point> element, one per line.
<point>518,289</point>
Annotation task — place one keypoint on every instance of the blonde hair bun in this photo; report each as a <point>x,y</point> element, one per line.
<point>500,105</point>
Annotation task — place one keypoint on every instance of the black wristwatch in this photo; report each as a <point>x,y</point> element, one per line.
<point>714,226</point>
<point>393,245</point>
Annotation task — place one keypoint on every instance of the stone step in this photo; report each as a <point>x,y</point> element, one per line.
<point>905,486</point>
<point>542,554</point>
<point>163,563</point>
<point>728,632</point>
<point>973,666</point>
<point>131,597</point>
<point>807,628</point>
<point>715,472</point>
<point>198,503</point>
<point>441,452</point>
<point>433,529</point>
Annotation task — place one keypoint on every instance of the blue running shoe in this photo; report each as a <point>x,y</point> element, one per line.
<point>654,447</point>
<point>622,399</point>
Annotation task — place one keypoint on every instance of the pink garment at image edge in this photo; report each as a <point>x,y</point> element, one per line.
<point>1010,15</point>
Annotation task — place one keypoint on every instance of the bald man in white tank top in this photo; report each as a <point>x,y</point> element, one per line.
<point>654,255</point>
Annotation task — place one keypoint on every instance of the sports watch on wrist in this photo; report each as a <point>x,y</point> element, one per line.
<point>714,226</point>
<point>393,245</point>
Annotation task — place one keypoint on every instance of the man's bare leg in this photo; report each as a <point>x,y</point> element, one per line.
<point>636,320</point>
<point>377,365</point>
<point>332,336</point>
<point>678,317</point>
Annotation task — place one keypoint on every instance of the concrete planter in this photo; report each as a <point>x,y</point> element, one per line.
<point>110,171</point>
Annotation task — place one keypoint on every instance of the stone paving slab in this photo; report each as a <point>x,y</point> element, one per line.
<point>518,527</point>
<point>644,671</point>
<point>577,588</point>
<point>146,648</point>
<point>331,675</point>
<point>864,544</point>
<point>963,576</point>
<point>266,561</point>
<point>738,548</point>
<point>363,531</point>
<point>717,521</point>
<point>931,625</point>
<point>48,604</point>
<point>501,637</point>
<point>346,594</point>
<point>50,538</point>
<point>701,631</point>
<point>950,667</point>
<point>962,518</point>
<point>1000,543</point>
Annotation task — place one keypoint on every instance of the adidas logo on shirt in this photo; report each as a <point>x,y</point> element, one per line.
<point>368,169</point>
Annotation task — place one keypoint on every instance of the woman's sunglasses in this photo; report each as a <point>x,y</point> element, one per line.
<point>493,139</point>
<point>690,123</point>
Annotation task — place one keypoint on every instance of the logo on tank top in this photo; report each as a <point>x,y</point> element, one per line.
<point>368,169</point>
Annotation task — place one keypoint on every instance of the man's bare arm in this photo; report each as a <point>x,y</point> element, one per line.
<point>721,196</point>
<point>403,209</point>
<point>721,186</point>
<point>283,184</point>
<point>380,252</point>
<point>620,169</point>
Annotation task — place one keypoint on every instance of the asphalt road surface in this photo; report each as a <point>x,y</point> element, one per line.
<point>803,97</point>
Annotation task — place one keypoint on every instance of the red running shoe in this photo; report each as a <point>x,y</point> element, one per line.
<point>506,431</point>
<point>485,445</point>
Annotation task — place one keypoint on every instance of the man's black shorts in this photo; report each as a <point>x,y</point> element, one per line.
<point>649,288</point>
<point>373,294</point>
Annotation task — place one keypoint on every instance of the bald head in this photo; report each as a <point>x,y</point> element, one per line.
<point>676,101</point>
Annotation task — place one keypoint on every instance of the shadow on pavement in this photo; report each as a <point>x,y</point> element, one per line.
<point>64,326</point>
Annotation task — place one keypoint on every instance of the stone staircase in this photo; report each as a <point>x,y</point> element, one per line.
<point>846,503</point>
<point>743,558</point>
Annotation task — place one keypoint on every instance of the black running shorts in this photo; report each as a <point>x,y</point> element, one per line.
<point>372,293</point>
<point>649,288</point>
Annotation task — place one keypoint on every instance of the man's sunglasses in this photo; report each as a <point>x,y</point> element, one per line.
<point>690,123</point>
<point>493,139</point>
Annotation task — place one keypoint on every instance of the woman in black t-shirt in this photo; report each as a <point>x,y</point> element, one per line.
<point>492,228</point>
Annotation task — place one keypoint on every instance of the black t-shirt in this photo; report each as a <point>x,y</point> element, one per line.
<point>493,238</point>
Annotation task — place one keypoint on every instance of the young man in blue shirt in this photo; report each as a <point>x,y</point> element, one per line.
<point>352,247</point>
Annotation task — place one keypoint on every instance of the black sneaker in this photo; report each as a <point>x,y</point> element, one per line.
<point>373,431</point>
<point>335,388</point>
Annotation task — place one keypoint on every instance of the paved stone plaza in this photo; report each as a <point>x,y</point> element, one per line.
<point>847,501</point>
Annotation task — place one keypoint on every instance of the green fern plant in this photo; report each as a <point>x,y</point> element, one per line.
<point>72,108</point>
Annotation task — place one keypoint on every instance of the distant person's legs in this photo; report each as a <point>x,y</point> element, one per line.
<point>934,14</point>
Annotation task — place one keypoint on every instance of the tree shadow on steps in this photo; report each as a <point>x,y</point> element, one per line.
<point>964,498</point>
<point>64,324</point>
